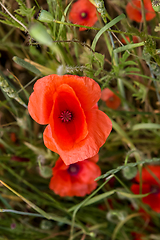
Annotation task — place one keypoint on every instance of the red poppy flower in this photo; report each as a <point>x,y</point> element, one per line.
<point>135,39</point>
<point>75,179</point>
<point>149,185</point>
<point>13,137</point>
<point>111,99</point>
<point>137,236</point>
<point>83,12</point>
<point>133,10</point>
<point>76,129</point>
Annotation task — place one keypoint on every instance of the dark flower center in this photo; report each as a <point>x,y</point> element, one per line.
<point>111,99</point>
<point>66,116</point>
<point>84,15</point>
<point>73,169</point>
<point>155,189</point>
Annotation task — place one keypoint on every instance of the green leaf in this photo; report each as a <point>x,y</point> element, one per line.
<point>105,28</point>
<point>24,11</point>
<point>98,72</point>
<point>12,23</point>
<point>99,197</point>
<point>126,54</point>
<point>132,69</point>
<point>128,47</point>
<point>26,65</point>
<point>147,126</point>
<point>119,168</point>
<point>100,58</point>
<point>130,63</point>
<point>130,195</point>
<point>141,93</point>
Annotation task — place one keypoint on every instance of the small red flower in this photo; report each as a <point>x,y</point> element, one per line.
<point>76,129</point>
<point>83,12</point>
<point>149,185</point>
<point>134,12</point>
<point>137,236</point>
<point>13,137</point>
<point>135,39</point>
<point>111,99</point>
<point>76,179</point>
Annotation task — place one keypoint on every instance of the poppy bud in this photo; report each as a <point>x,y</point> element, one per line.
<point>116,215</point>
<point>40,34</point>
<point>129,172</point>
<point>46,224</point>
<point>45,16</point>
<point>45,171</point>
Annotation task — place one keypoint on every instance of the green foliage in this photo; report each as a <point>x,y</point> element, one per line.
<point>141,93</point>
<point>11,92</point>
<point>26,65</point>
<point>26,12</point>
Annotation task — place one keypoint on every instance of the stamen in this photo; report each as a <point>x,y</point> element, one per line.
<point>73,169</point>
<point>66,116</point>
<point>84,14</point>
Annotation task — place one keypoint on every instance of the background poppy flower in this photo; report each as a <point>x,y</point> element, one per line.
<point>135,39</point>
<point>111,99</point>
<point>149,185</point>
<point>137,236</point>
<point>133,10</point>
<point>76,179</point>
<point>76,130</point>
<point>83,12</point>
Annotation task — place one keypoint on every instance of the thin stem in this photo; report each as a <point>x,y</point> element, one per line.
<point>13,17</point>
<point>21,213</point>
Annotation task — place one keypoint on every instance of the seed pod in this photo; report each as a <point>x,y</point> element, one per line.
<point>156,5</point>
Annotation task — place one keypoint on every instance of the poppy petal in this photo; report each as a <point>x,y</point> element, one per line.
<point>132,11</point>
<point>147,188</point>
<point>41,100</point>
<point>146,175</point>
<point>89,171</point>
<point>48,139</point>
<point>58,184</point>
<point>80,190</point>
<point>64,183</point>
<point>89,147</point>
<point>86,89</point>
<point>94,158</point>
<point>68,120</point>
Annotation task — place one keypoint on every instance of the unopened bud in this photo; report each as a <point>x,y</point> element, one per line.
<point>45,171</point>
<point>129,172</point>
<point>40,34</point>
<point>45,16</point>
